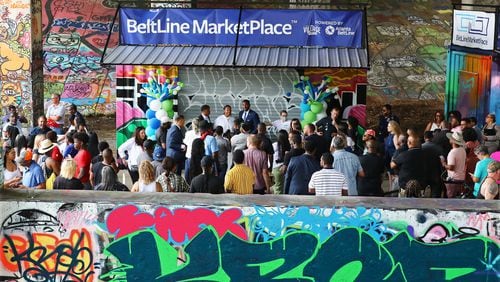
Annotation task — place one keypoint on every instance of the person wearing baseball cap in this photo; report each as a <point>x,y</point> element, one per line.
<point>33,177</point>
<point>480,172</point>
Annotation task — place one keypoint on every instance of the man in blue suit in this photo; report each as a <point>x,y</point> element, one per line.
<point>249,116</point>
<point>175,148</point>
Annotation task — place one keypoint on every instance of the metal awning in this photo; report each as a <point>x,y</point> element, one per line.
<point>214,56</point>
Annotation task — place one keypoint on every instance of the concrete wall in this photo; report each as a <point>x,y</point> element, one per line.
<point>47,236</point>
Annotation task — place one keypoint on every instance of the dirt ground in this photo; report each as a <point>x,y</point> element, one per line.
<point>411,113</point>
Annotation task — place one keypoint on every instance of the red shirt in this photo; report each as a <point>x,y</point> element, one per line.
<point>56,154</point>
<point>82,160</point>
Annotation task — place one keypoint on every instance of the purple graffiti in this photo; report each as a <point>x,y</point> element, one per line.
<point>77,90</point>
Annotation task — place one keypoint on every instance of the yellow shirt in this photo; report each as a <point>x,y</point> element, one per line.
<point>240,180</point>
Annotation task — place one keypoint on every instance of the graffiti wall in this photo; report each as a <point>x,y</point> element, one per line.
<point>137,87</point>
<point>111,242</point>
<point>16,54</point>
<point>74,37</point>
<point>408,46</point>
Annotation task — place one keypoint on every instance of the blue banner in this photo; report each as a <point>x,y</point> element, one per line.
<point>219,27</point>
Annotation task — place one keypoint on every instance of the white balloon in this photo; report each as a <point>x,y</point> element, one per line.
<point>155,105</point>
<point>320,116</point>
<point>160,113</point>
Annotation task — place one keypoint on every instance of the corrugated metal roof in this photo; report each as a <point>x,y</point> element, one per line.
<point>291,57</point>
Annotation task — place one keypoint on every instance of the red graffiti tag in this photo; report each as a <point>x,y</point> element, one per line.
<point>179,225</point>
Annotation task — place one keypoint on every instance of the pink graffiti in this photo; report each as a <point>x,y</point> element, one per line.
<point>177,226</point>
<point>436,234</point>
<point>125,112</point>
<point>75,219</point>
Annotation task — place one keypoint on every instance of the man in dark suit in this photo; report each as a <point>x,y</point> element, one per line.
<point>249,116</point>
<point>175,148</point>
<point>205,115</point>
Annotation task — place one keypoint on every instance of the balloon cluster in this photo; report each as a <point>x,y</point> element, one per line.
<point>313,98</point>
<point>159,92</point>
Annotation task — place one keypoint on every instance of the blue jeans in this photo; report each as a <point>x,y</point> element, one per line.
<point>57,130</point>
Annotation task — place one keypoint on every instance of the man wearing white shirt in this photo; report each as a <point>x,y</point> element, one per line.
<point>55,114</point>
<point>225,121</point>
<point>282,123</point>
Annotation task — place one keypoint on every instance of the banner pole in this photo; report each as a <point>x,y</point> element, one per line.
<point>237,37</point>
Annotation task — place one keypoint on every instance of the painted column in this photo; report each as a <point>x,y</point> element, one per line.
<point>21,56</point>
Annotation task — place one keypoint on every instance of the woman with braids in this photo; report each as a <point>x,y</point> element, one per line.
<point>281,146</point>
<point>207,182</point>
<point>130,150</point>
<point>169,180</point>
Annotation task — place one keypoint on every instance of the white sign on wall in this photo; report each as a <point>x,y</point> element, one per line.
<point>474,29</point>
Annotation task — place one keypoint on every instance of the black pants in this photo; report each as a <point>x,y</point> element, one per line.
<point>134,174</point>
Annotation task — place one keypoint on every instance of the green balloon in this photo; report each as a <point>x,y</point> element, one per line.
<point>304,123</point>
<point>309,117</point>
<point>316,107</point>
<point>170,113</point>
<point>167,105</point>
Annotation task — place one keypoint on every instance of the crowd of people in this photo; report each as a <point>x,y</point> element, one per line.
<point>452,158</point>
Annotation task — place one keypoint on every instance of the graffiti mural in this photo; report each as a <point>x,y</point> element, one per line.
<point>352,90</point>
<point>90,242</point>
<point>408,48</point>
<point>15,55</point>
<point>74,37</point>
<point>136,86</point>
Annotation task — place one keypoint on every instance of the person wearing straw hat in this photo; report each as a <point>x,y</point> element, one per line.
<point>33,177</point>
<point>49,165</point>
<point>455,164</point>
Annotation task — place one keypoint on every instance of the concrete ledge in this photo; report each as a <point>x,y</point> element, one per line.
<point>246,200</point>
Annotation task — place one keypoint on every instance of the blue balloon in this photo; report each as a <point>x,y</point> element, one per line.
<point>302,115</point>
<point>304,107</point>
<point>154,123</point>
<point>150,132</point>
<point>150,114</point>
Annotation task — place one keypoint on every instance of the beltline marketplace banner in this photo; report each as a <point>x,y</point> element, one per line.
<point>474,29</point>
<point>218,27</point>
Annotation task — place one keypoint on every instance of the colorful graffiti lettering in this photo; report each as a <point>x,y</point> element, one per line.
<point>269,223</point>
<point>350,254</point>
<point>95,241</point>
<point>74,36</point>
<point>409,57</point>
<point>16,49</point>
<point>175,226</point>
<point>44,255</point>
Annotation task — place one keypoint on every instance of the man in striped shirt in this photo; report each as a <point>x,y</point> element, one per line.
<point>328,181</point>
<point>240,179</point>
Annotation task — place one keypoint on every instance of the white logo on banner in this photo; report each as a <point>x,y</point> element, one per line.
<point>330,30</point>
<point>312,30</point>
<point>474,29</point>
